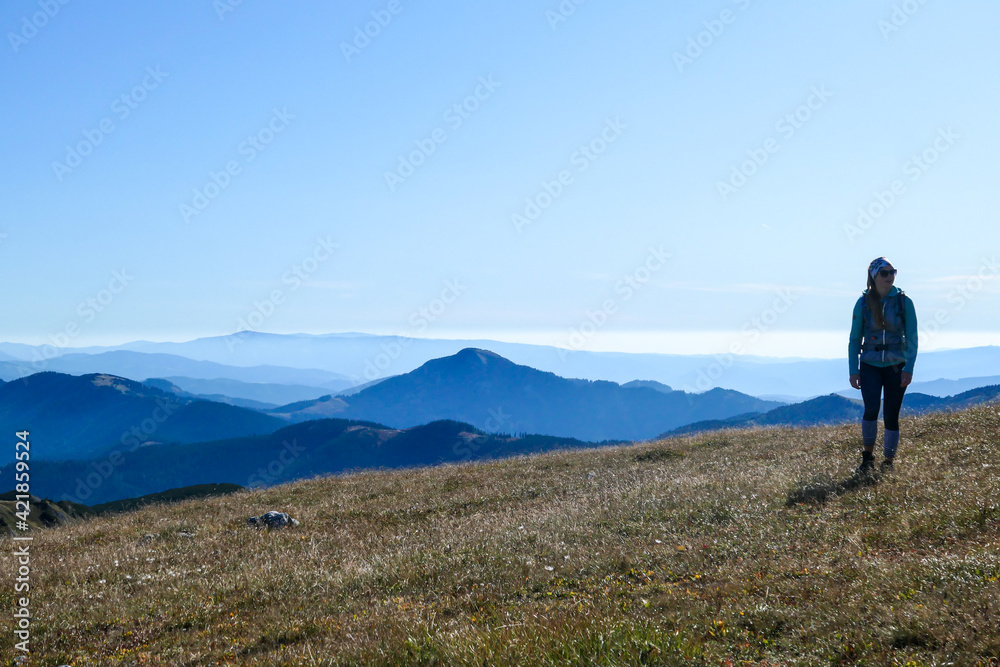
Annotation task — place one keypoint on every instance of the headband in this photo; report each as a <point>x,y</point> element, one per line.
<point>877,264</point>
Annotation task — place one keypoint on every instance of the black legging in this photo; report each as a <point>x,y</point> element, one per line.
<point>873,379</point>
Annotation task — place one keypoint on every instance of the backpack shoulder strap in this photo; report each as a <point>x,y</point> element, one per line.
<point>901,304</point>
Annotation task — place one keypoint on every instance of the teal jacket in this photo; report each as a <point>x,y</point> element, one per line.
<point>859,328</point>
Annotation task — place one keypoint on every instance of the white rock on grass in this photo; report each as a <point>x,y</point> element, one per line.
<point>272,519</point>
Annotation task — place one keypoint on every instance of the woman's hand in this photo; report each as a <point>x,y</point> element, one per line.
<point>856,381</point>
<point>905,379</point>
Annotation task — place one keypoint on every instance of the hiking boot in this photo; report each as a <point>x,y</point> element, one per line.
<point>886,466</point>
<point>867,466</point>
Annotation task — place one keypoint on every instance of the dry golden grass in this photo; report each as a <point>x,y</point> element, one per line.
<point>691,551</point>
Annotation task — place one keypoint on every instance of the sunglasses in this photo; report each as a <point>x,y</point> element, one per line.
<point>885,273</point>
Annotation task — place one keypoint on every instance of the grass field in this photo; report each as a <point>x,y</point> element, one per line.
<point>730,548</point>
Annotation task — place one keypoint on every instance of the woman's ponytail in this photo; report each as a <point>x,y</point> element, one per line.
<point>874,303</point>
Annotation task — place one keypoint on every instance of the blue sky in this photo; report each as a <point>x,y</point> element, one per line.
<point>186,169</point>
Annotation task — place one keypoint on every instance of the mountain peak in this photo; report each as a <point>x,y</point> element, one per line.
<point>121,384</point>
<point>470,358</point>
<point>495,394</point>
<point>477,353</point>
<point>648,384</point>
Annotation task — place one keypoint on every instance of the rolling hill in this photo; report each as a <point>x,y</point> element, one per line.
<point>170,388</point>
<point>836,409</point>
<point>482,388</point>
<point>219,389</point>
<point>320,447</point>
<point>76,417</point>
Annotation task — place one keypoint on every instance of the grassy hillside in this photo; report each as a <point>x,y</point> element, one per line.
<point>46,513</point>
<point>726,548</point>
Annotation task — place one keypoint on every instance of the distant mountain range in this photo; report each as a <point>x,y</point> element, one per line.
<point>835,409</point>
<point>98,437</point>
<point>922,403</point>
<point>312,448</point>
<point>354,358</point>
<point>76,417</point>
<point>81,416</point>
<point>170,388</point>
<point>137,365</point>
<point>482,388</point>
<point>330,446</point>
<point>259,395</point>
<point>942,388</point>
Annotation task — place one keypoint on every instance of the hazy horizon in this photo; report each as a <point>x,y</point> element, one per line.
<point>697,343</point>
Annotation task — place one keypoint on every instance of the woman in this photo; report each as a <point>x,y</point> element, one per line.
<point>885,318</point>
